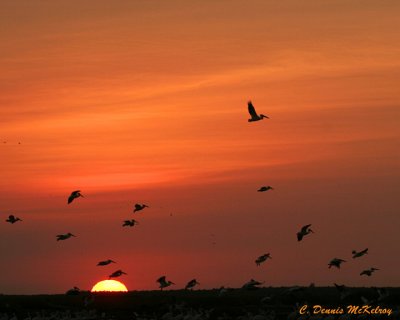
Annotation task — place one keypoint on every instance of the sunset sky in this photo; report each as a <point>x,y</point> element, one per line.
<point>146,102</point>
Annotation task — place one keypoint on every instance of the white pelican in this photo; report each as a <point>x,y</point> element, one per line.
<point>360,253</point>
<point>191,284</point>
<point>12,219</point>
<point>74,194</point>
<point>105,262</point>
<point>265,188</point>
<point>130,223</point>
<point>139,207</point>
<point>116,274</point>
<point>368,272</point>
<point>305,230</point>
<point>263,258</point>
<point>335,262</point>
<point>252,284</point>
<point>163,282</point>
<point>253,113</point>
<point>64,236</point>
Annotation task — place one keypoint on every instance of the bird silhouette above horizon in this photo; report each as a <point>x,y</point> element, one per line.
<point>191,284</point>
<point>335,262</point>
<point>305,230</point>
<point>253,113</point>
<point>139,207</point>
<point>130,223</point>
<point>105,262</point>
<point>359,253</point>
<point>116,274</point>
<point>64,236</point>
<point>164,282</point>
<point>265,188</point>
<point>368,272</point>
<point>74,194</point>
<point>263,258</point>
<point>12,219</point>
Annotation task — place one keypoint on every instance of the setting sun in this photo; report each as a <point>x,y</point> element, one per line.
<point>109,286</point>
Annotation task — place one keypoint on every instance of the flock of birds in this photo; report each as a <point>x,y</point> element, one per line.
<point>162,281</point>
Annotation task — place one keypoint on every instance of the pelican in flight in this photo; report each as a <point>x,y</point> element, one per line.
<point>305,230</point>
<point>253,113</point>
<point>335,263</point>
<point>252,284</point>
<point>139,207</point>
<point>368,272</point>
<point>105,262</point>
<point>191,284</point>
<point>12,219</point>
<point>265,188</point>
<point>360,253</point>
<point>164,282</point>
<point>263,258</point>
<point>74,194</point>
<point>64,236</point>
<point>116,274</point>
<point>130,223</point>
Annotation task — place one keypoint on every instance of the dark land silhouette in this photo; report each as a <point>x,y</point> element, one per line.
<point>258,304</point>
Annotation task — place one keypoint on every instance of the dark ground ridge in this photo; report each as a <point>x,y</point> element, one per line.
<point>277,302</point>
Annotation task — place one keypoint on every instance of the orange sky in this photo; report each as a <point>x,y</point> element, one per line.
<point>146,101</point>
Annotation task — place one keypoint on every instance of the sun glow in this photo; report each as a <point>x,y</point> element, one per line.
<point>109,286</point>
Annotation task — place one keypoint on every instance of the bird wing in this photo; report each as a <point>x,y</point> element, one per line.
<point>364,251</point>
<point>161,279</point>
<point>252,110</point>
<point>304,228</point>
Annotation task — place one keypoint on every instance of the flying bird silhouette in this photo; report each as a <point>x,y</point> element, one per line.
<point>105,262</point>
<point>360,253</point>
<point>368,272</point>
<point>305,230</point>
<point>74,194</point>
<point>64,236</point>
<point>12,219</point>
<point>130,223</point>
<point>139,207</point>
<point>191,284</point>
<point>116,274</point>
<point>253,113</point>
<point>163,282</point>
<point>265,188</point>
<point>263,258</point>
<point>336,262</point>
